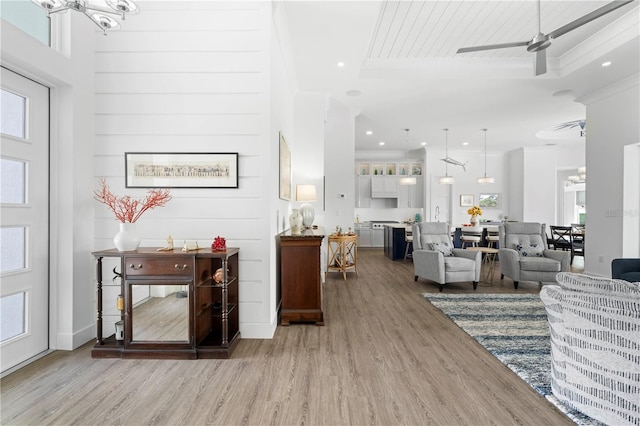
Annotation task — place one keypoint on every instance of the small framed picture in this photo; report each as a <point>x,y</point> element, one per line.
<point>490,201</point>
<point>466,200</point>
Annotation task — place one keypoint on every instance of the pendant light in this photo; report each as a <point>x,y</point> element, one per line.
<point>446,179</point>
<point>408,180</point>
<point>485,179</point>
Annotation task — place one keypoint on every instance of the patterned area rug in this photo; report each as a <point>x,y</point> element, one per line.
<point>514,328</point>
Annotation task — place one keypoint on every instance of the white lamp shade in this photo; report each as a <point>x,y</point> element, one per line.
<point>446,180</point>
<point>486,179</point>
<point>306,193</point>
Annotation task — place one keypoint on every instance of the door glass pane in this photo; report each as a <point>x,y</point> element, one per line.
<point>12,114</point>
<point>12,181</point>
<point>12,316</point>
<point>12,248</point>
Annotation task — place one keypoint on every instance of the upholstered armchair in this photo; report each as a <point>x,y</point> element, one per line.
<point>524,254</point>
<point>435,259</point>
<point>627,269</point>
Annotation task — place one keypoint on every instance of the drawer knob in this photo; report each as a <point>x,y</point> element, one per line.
<point>181,268</point>
<point>138,266</point>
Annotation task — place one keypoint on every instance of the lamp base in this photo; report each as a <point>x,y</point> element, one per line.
<point>308,215</point>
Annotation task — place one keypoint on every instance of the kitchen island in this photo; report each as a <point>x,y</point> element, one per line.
<point>394,240</point>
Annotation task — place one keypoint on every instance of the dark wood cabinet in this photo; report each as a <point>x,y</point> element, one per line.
<point>395,243</point>
<point>300,277</point>
<point>172,305</point>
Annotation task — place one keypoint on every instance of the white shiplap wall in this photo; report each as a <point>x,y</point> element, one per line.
<point>193,77</point>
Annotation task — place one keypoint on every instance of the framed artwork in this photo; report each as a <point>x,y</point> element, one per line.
<point>285,169</point>
<point>181,169</point>
<point>490,201</point>
<point>466,200</point>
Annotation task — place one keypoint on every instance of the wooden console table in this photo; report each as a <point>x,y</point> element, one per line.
<point>300,276</point>
<point>342,254</point>
<point>170,306</point>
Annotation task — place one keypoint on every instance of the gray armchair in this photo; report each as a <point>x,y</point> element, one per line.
<point>524,254</point>
<point>435,259</point>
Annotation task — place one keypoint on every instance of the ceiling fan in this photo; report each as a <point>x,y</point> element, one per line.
<point>540,41</point>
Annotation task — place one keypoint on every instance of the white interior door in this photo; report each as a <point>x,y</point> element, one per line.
<point>24,220</point>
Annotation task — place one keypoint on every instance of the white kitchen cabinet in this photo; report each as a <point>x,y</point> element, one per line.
<point>411,196</point>
<point>377,236</point>
<point>384,187</point>
<point>363,192</point>
<point>364,237</point>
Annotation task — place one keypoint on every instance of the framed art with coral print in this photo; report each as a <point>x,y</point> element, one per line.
<point>181,169</point>
<point>285,169</point>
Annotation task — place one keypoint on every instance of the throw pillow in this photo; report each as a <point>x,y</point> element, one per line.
<point>442,247</point>
<point>529,250</point>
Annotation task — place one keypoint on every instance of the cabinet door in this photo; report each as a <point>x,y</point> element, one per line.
<point>363,199</point>
<point>416,197</point>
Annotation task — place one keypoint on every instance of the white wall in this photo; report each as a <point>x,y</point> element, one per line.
<point>612,114</point>
<point>69,74</point>
<point>180,77</point>
<point>631,202</point>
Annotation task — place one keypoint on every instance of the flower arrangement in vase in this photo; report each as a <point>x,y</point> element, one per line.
<point>219,244</point>
<point>474,211</point>
<point>128,210</point>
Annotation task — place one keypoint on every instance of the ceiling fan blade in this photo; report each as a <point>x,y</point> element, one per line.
<point>541,62</point>
<point>492,46</point>
<point>609,7</point>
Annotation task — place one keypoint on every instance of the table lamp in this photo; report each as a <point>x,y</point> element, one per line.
<point>306,193</point>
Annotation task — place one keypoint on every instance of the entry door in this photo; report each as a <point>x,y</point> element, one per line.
<point>24,219</point>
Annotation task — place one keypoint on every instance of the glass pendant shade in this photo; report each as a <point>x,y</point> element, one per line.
<point>408,181</point>
<point>446,179</point>
<point>485,179</point>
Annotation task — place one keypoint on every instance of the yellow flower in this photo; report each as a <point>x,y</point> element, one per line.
<point>475,211</point>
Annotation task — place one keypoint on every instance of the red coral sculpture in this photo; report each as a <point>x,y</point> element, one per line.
<point>219,244</point>
<point>127,209</point>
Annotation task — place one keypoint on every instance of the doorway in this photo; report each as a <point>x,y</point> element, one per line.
<point>24,225</point>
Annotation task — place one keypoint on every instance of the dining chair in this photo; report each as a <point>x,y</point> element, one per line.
<point>577,240</point>
<point>492,236</point>
<point>471,236</point>
<point>408,239</point>
<point>561,237</point>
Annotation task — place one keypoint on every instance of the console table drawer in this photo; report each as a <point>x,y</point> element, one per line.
<point>174,266</point>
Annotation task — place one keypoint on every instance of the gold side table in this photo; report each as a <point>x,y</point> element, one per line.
<point>488,260</point>
<point>342,254</point>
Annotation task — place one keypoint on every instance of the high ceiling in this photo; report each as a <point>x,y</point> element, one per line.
<point>401,69</point>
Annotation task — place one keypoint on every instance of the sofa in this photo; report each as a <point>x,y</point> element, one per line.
<point>594,325</point>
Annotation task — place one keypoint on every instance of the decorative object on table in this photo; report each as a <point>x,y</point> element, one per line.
<point>466,200</point>
<point>98,15</point>
<point>186,247</point>
<point>474,211</point>
<point>128,210</point>
<point>219,275</point>
<point>295,221</point>
<point>446,179</point>
<point>306,194</point>
<point>219,244</point>
<point>418,218</point>
<point>181,169</point>
<point>168,246</point>
<point>489,201</point>
<point>485,178</point>
<point>285,169</point>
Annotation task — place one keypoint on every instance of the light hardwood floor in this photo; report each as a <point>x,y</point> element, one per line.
<point>384,357</point>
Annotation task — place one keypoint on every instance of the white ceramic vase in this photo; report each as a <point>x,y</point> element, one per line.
<point>474,220</point>
<point>127,239</point>
<point>295,221</point>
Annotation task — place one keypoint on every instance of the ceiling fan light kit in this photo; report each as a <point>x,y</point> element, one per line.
<point>539,43</point>
<point>99,15</point>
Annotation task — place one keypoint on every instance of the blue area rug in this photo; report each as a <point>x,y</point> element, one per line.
<point>514,328</point>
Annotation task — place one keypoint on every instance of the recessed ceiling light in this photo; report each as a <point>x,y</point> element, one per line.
<point>354,93</point>
<point>465,143</point>
<point>340,64</point>
<point>606,64</point>
<point>423,143</point>
<point>380,143</point>
<point>369,132</point>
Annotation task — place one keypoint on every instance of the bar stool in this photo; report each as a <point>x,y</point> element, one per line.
<point>471,236</point>
<point>492,236</point>
<point>408,239</point>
